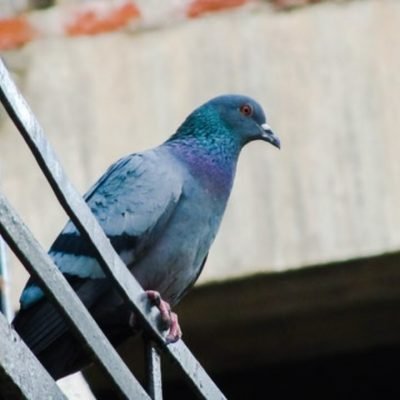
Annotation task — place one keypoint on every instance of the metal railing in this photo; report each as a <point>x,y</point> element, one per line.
<point>38,384</point>
<point>5,282</point>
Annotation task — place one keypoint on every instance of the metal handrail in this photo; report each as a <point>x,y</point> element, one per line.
<point>23,370</point>
<point>5,283</point>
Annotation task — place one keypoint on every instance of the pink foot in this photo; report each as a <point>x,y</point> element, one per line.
<point>168,318</point>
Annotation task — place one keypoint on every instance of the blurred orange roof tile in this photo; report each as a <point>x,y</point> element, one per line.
<point>15,32</point>
<point>91,21</point>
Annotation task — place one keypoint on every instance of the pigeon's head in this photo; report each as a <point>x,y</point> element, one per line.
<point>212,136</point>
<point>244,118</point>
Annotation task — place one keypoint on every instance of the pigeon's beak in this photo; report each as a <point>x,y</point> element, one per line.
<point>269,136</point>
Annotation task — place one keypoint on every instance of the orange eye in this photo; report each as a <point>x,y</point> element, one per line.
<point>246,110</point>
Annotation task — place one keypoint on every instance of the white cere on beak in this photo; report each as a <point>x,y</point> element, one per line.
<point>266,127</point>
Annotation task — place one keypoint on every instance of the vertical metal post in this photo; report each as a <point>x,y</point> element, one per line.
<point>153,370</point>
<point>5,283</point>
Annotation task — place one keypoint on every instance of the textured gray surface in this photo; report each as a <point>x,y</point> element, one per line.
<point>19,367</point>
<point>327,76</point>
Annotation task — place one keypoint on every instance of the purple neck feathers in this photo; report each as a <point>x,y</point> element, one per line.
<point>214,167</point>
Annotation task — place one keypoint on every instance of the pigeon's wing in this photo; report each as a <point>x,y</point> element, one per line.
<point>132,201</point>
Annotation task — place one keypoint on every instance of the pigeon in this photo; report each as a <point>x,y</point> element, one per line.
<point>161,210</point>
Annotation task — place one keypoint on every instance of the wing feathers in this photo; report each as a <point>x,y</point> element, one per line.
<point>132,201</point>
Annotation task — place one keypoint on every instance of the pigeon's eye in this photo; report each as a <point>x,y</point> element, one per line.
<point>246,110</point>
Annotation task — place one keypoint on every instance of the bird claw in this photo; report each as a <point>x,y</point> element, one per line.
<point>169,319</point>
<point>175,332</point>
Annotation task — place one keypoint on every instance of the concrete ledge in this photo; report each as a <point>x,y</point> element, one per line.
<point>295,315</point>
<point>280,318</point>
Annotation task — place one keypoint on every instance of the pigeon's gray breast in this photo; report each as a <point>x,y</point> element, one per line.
<point>177,255</point>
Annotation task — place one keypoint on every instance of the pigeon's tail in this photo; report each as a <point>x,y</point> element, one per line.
<point>47,334</point>
<point>64,357</point>
<point>48,337</point>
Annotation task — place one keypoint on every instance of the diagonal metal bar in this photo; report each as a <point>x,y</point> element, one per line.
<point>153,370</point>
<point>40,265</point>
<point>5,283</point>
<point>21,374</point>
<point>80,214</point>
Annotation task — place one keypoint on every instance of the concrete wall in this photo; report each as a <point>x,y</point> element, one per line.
<point>327,76</point>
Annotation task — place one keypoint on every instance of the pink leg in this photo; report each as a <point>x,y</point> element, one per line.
<point>175,332</point>
<point>169,319</point>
